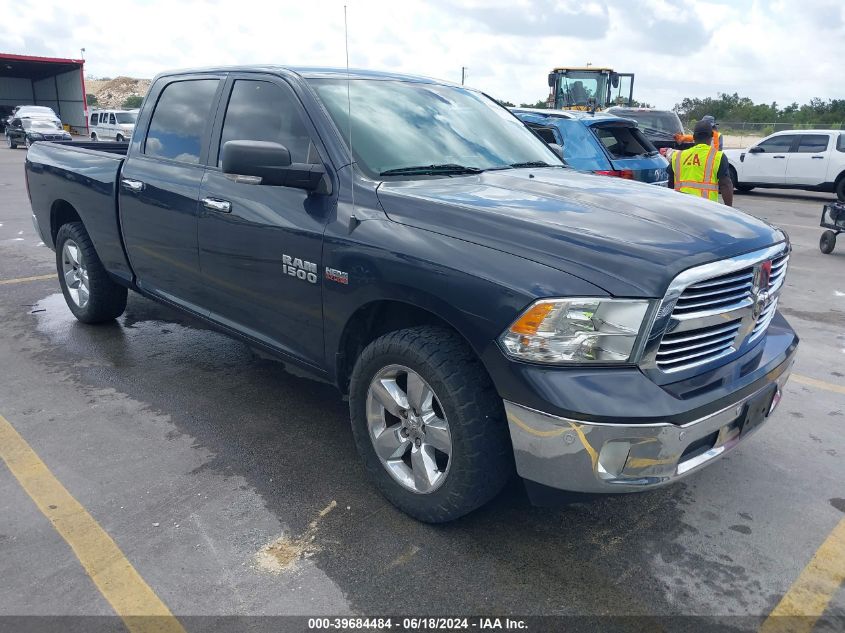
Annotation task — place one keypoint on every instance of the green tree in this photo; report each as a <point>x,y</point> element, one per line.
<point>541,104</point>
<point>90,99</point>
<point>132,102</point>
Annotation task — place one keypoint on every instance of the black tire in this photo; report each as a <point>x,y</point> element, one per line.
<point>11,143</point>
<point>481,462</point>
<point>94,137</point>
<point>118,139</point>
<point>107,300</point>
<point>840,188</point>
<point>827,242</point>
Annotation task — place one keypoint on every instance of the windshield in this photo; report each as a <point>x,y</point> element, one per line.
<point>399,125</point>
<point>667,122</point>
<point>126,117</point>
<point>578,86</point>
<point>39,124</point>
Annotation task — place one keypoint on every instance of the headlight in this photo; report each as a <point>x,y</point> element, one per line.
<point>36,136</point>
<point>578,330</point>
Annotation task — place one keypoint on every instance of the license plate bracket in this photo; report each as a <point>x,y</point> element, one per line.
<point>757,410</point>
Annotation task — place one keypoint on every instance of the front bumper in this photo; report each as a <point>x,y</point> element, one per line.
<point>603,457</point>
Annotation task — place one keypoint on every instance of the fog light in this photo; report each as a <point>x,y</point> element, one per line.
<point>612,458</point>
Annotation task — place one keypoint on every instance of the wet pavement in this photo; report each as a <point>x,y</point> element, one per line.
<point>195,454</point>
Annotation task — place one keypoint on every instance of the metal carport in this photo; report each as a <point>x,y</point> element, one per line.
<point>47,81</point>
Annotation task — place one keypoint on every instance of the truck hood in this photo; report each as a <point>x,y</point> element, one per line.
<point>630,239</point>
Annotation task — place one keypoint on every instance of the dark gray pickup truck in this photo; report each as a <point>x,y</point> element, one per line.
<point>484,307</point>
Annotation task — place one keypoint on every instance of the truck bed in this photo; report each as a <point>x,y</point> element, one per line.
<point>80,177</point>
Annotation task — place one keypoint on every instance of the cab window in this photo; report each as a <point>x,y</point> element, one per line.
<point>778,144</point>
<point>264,111</point>
<point>179,120</point>
<point>94,118</point>
<point>813,143</point>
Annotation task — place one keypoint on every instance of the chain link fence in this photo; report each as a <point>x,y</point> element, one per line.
<point>739,135</point>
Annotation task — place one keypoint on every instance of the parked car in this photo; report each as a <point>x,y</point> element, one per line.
<point>116,125</point>
<point>483,306</point>
<point>5,113</point>
<point>813,160</point>
<point>28,131</point>
<point>662,127</point>
<point>599,143</point>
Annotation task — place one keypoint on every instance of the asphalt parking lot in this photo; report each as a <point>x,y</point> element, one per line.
<point>193,454</point>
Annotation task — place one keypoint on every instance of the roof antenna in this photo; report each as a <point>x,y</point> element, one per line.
<point>353,221</point>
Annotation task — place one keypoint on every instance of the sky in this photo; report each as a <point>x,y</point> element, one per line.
<point>778,50</point>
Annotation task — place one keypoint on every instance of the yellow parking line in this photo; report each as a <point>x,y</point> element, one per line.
<point>812,591</point>
<point>821,384</point>
<point>121,585</point>
<point>23,280</point>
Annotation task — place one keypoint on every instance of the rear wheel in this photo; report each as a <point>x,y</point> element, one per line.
<point>89,292</point>
<point>840,189</point>
<point>10,142</point>
<point>429,424</point>
<point>827,242</point>
<point>94,136</point>
<point>119,138</point>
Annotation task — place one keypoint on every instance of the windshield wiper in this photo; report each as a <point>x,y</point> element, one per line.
<point>427,170</point>
<point>533,163</point>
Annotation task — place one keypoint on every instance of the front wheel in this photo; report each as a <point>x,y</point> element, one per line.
<point>735,180</point>
<point>840,189</point>
<point>827,242</point>
<point>10,142</point>
<point>119,138</point>
<point>89,291</point>
<point>428,424</point>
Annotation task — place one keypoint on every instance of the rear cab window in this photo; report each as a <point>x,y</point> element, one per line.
<point>178,123</point>
<point>813,143</point>
<point>840,143</point>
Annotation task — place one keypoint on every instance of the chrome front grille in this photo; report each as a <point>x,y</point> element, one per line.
<point>713,311</point>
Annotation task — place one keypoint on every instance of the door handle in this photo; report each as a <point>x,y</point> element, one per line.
<point>817,157</point>
<point>778,156</point>
<point>135,186</point>
<point>215,204</point>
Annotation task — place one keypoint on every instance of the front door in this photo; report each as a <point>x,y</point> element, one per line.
<point>808,165</point>
<point>159,190</point>
<point>261,246</point>
<point>769,165</point>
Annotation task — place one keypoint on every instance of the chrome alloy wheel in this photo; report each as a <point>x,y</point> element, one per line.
<point>408,429</point>
<point>76,274</point>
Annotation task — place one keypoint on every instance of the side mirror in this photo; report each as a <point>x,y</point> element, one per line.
<point>557,149</point>
<point>614,80</point>
<point>271,163</point>
<point>552,79</point>
<point>756,150</point>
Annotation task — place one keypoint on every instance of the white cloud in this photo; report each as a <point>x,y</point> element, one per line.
<point>784,51</point>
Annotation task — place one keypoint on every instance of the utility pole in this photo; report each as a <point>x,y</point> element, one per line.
<point>463,74</point>
<point>82,53</point>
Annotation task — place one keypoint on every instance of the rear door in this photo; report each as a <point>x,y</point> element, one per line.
<point>260,245</point>
<point>159,188</point>
<point>769,165</point>
<point>808,164</point>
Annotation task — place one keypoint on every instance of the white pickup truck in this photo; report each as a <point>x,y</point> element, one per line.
<point>793,159</point>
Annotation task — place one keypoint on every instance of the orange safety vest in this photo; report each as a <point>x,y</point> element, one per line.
<point>695,171</point>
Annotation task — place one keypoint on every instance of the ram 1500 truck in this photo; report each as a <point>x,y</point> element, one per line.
<point>484,307</point>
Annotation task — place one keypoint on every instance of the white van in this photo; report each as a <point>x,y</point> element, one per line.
<point>112,125</point>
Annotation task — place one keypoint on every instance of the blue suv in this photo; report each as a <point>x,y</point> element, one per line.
<point>599,143</point>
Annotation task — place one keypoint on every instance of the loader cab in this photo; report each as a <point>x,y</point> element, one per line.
<point>589,89</point>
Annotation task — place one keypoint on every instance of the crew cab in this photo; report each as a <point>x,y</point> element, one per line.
<point>813,160</point>
<point>485,308</point>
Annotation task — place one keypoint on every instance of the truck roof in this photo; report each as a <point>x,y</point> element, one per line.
<point>312,72</point>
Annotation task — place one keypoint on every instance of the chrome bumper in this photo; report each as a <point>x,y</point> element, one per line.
<point>607,458</point>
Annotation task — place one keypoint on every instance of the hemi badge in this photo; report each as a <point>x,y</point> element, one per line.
<point>338,276</point>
